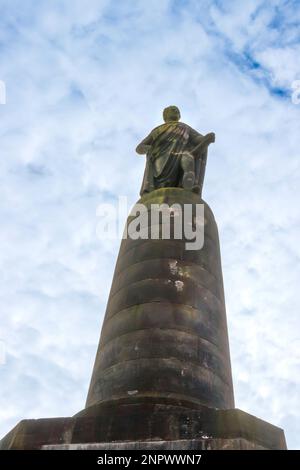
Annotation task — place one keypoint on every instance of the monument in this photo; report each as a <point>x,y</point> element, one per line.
<point>162,374</point>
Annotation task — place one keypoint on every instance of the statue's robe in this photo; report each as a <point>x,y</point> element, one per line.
<point>167,144</point>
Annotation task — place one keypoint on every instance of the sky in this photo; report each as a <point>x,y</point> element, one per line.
<point>85,82</point>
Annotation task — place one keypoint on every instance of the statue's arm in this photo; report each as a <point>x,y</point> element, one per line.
<point>195,137</point>
<point>145,145</point>
<point>198,140</point>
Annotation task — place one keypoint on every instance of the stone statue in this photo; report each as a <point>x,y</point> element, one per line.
<point>176,155</point>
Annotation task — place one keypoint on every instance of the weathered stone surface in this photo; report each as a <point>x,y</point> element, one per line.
<point>184,444</point>
<point>165,332</point>
<point>162,375</point>
<point>146,425</point>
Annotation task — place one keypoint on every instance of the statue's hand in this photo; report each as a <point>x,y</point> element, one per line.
<point>204,143</point>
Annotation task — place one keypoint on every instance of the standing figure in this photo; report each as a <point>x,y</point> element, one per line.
<point>176,155</point>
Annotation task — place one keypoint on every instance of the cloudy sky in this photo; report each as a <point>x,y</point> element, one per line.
<point>85,81</point>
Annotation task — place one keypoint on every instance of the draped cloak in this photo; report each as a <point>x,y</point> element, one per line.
<point>167,144</point>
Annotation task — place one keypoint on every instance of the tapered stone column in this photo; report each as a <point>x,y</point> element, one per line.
<point>162,374</point>
<point>164,335</point>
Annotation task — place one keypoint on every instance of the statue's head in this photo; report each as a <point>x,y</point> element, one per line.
<point>171,113</point>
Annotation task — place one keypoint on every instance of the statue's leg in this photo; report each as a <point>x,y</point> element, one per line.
<point>188,167</point>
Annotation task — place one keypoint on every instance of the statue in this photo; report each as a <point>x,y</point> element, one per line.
<point>176,155</point>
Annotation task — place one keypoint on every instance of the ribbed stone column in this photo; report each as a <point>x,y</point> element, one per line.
<point>164,336</point>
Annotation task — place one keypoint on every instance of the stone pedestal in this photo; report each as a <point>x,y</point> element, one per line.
<point>165,333</point>
<point>162,374</point>
<point>147,426</point>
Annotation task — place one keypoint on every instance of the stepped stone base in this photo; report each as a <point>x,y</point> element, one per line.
<point>147,426</point>
<point>183,444</point>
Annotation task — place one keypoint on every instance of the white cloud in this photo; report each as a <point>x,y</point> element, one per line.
<point>84,84</point>
<point>283,64</point>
